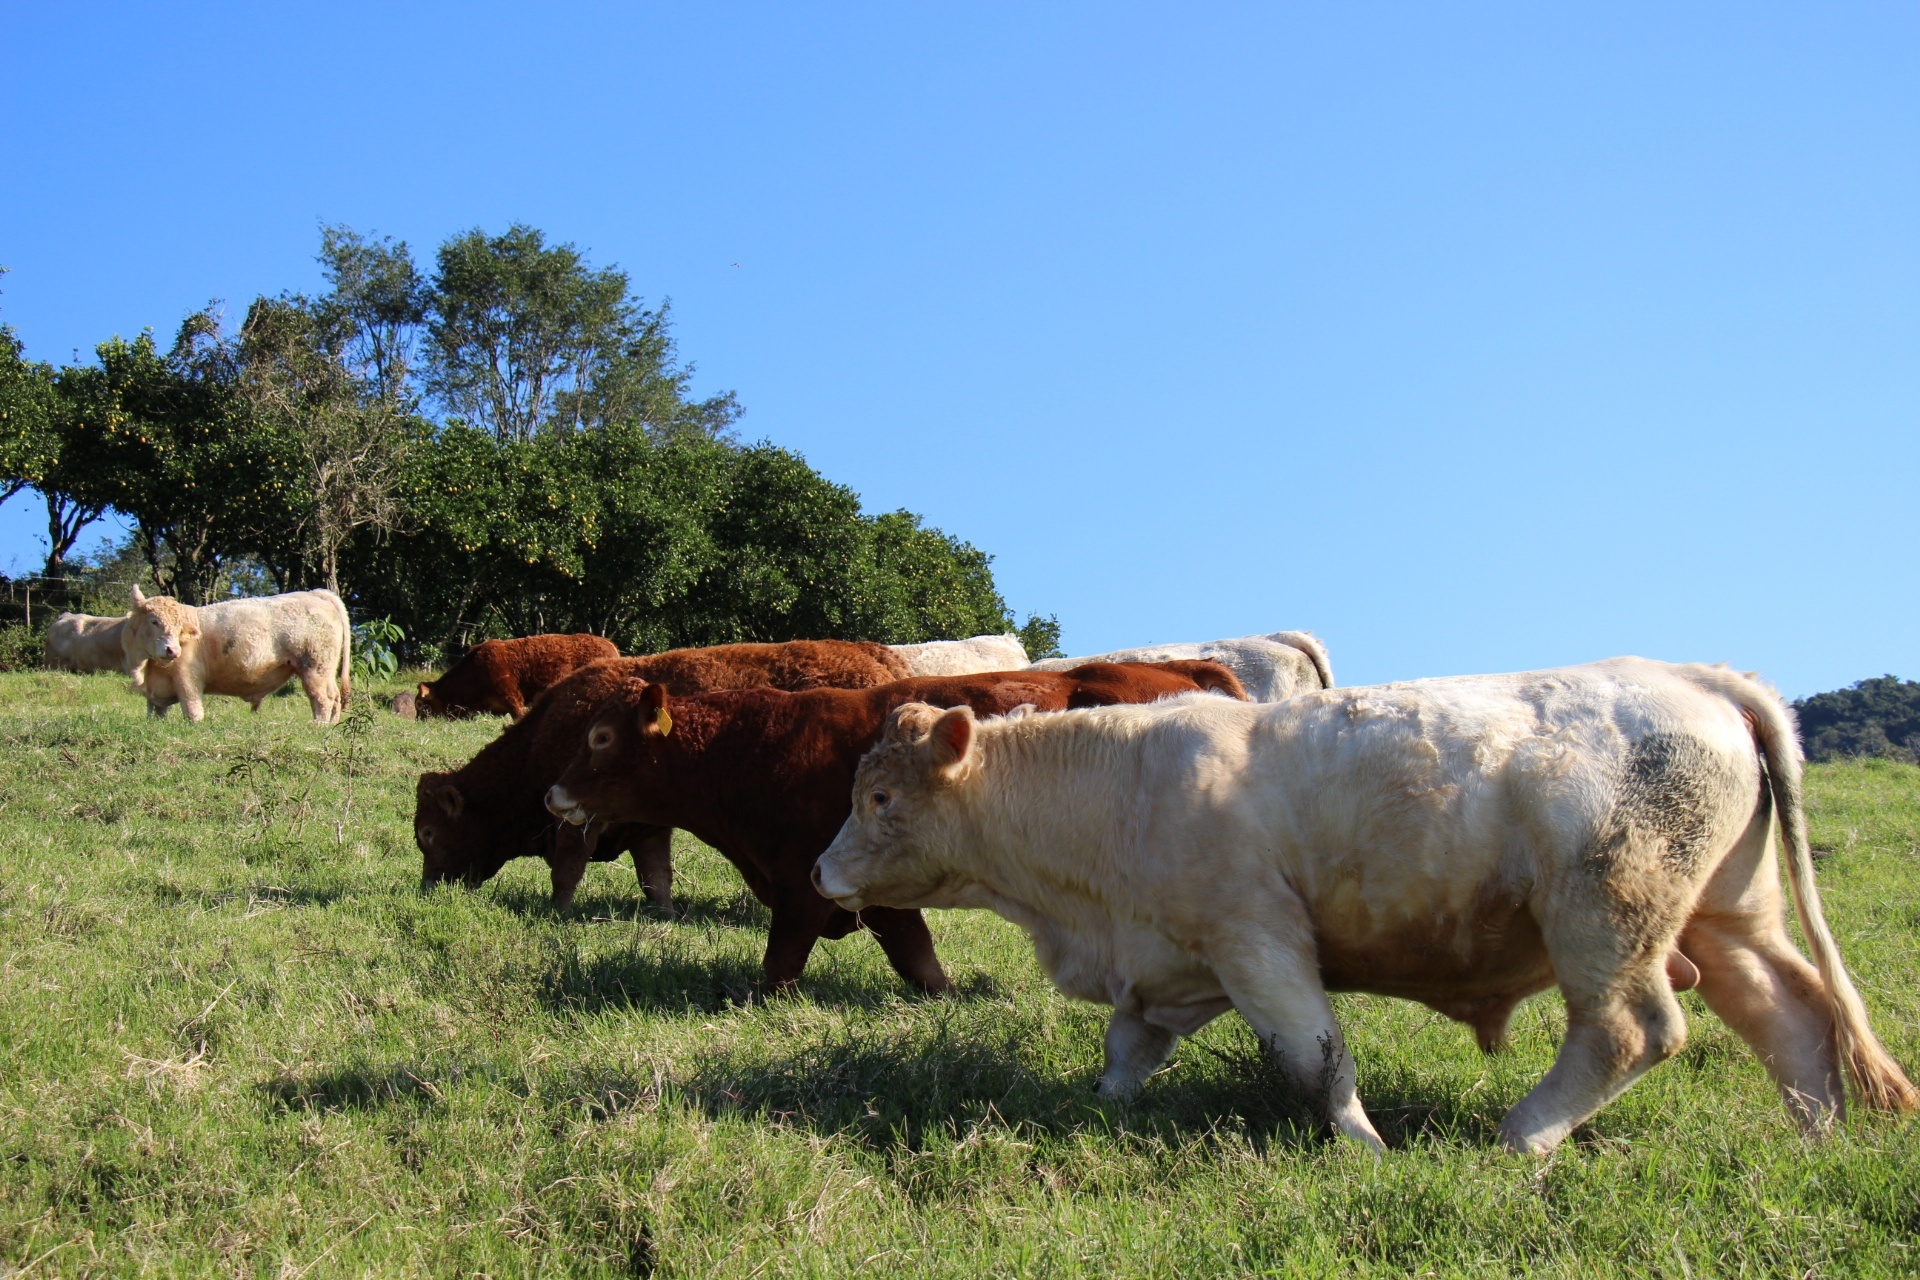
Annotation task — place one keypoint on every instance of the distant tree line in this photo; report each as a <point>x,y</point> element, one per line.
<point>506,444</point>
<point>1877,717</point>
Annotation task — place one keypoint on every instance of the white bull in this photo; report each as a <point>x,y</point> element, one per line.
<point>1462,842</point>
<point>243,648</point>
<point>963,657</point>
<point>1270,667</point>
<point>85,643</point>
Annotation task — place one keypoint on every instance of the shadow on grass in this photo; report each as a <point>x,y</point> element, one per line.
<point>686,974</point>
<point>360,1088</point>
<point>891,1092</point>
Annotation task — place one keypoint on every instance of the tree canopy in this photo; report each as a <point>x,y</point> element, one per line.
<point>505,446</point>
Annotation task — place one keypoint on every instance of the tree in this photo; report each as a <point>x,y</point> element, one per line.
<point>36,425</point>
<point>525,338</point>
<point>346,440</point>
<point>171,441</point>
<point>374,311</point>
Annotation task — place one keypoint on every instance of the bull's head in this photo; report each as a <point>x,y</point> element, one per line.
<point>158,630</point>
<point>606,783</point>
<point>888,851</point>
<point>458,840</point>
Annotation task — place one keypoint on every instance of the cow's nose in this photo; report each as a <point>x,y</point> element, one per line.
<point>819,885</point>
<point>557,801</point>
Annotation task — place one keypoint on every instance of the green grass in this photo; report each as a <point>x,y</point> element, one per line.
<point>236,1039</point>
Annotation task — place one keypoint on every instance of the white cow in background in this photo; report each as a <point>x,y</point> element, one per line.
<point>85,643</point>
<point>1462,842</point>
<point>963,657</point>
<point>1271,667</point>
<point>245,648</point>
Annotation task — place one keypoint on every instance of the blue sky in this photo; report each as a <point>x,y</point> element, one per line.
<point>1470,337</point>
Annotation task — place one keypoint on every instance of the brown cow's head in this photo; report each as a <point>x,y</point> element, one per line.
<point>158,630</point>
<point>428,702</point>
<point>604,784</point>
<point>458,839</point>
<point>888,850</point>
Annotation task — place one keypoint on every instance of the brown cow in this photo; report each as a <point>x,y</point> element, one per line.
<point>471,822</point>
<point>764,777</point>
<point>501,677</point>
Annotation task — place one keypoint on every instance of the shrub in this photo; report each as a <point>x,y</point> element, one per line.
<point>20,647</point>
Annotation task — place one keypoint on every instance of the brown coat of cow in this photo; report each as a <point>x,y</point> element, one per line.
<point>469,823</point>
<point>503,677</point>
<point>765,778</point>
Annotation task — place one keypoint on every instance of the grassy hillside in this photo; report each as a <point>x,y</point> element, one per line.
<point>236,1039</point>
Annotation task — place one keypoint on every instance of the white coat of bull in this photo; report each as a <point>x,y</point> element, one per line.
<point>245,648</point>
<point>1270,667</point>
<point>85,643</point>
<point>1462,842</point>
<point>963,657</point>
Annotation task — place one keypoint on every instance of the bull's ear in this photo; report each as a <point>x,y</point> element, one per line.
<point>655,719</point>
<point>423,691</point>
<point>951,737</point>
<point>452,801</point>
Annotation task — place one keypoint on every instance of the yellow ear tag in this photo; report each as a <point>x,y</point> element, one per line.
<point>662,721</point>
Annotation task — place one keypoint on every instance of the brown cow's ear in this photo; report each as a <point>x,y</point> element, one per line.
<point>909,722</point>
<point>424,692</point>
<point>452,801</point>
<point>951,737</point>
<point>655,719</point>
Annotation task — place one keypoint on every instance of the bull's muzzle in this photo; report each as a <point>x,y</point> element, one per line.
<point>565,807</point>
<point>829,885</point>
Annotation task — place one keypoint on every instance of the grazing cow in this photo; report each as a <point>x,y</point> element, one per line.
<point>762,777</point>
<point>1461,842</point>
<point>472,821</point>
<point>964,657</point>
<point>244,648</point>
<point>500,677</point>
<point>469,823</point>
<point>85,643</point>
<point>1271,667</point>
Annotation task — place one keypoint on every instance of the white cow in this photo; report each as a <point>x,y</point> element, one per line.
<point>963,657</point>
<point>1271,667</point>
<point>1462,842</point>
<point>243,648</point>
<point>83,642</point>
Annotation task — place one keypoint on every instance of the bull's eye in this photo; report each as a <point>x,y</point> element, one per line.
<point>600,739</point>
<point>426,835</point>
<point>881,799</point>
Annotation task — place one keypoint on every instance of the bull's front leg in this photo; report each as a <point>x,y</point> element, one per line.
<point>1135,1050</point>
<point>904,936</point>
<point>1271,972</point>
<point>795,927</point>
<point>653,863</point>
<point>190,704</point>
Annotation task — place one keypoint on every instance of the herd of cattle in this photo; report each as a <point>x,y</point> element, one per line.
<point>1180,830</point>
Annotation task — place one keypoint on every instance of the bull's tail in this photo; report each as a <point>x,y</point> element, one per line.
<point>1316,652</point>
<point>345,674</point>
<point>1878,1082</point>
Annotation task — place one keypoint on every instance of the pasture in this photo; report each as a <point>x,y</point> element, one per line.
<point>235,1038</point>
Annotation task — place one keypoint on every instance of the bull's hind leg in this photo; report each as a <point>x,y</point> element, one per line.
<point>323,694</point>
<point>1754,979</point>
<point>1616,1032</point>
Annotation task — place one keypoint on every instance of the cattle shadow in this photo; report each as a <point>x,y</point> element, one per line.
<point>890,1093</point>
<point>690,975</point>
<point>366,1087</point>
